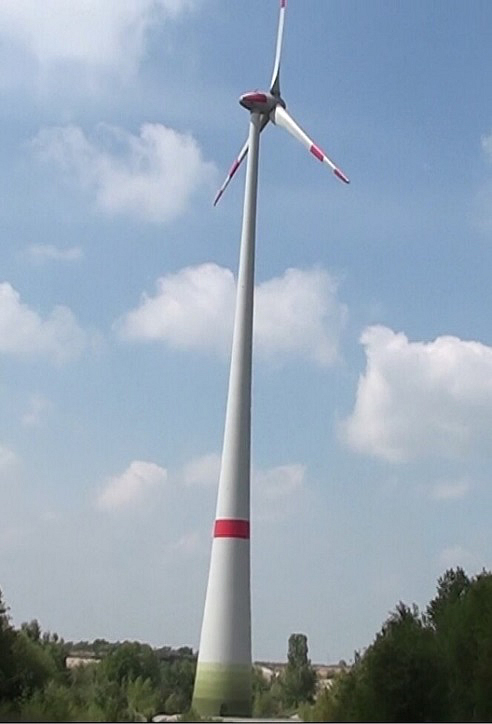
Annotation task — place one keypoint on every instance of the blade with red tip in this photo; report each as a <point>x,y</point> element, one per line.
<point>275,83</point>
<point>238,161</point>
<point>280,117</point>
<point>232,171</point>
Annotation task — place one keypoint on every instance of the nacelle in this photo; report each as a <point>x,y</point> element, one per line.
<point>260,101</point>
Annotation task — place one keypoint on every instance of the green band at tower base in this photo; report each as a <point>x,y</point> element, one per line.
<point>222,690</point>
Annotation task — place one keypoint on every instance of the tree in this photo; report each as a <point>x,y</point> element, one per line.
<point>403,675</point>
<point>464,633</point>
<point>142,699</point>
<point>299,677</point>
<point>7,661</point>
<point>450,587</point>
<point>129,661</point>
<point>34,665</point>
<point>32,629</point>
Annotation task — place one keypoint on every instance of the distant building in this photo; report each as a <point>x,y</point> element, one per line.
<point>71,662</point>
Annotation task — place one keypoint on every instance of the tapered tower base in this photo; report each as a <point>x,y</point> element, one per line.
<point>222,690</point>
<point>223,675</point>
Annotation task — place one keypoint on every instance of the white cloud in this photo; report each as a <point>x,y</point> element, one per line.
<point>106,34</point>
<point>8,458</point>
<point>483,201</point>
<point>279,482</point>
<point>203,471</point>
<point>132,486</point>
<point>275,491</point>
<point>297,314</point>
<point>450,490</point>
<point>188,545</point>
<point>41,252</point>
<point>457,555</point>
<point>38,406</point>
<point>271,484</point>
<point>419,399</point>
<point>24,333</point>
<point>193,308</point>
<point>487,145</point>
<point>151,176</point>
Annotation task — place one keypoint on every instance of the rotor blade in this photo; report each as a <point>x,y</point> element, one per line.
<point>275,83</point>
<point>280,117</point>
<point>240,158</point>
<point>232,171</point>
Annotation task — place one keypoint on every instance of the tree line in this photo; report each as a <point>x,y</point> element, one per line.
<point>124,682</point>
<point>127,681</point>
<point>434,665</point>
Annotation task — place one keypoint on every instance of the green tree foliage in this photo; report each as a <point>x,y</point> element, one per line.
<point>464,634</point>
<point>32,630</point>
<point>450,587</point>
<point>7,661</point>
<point>268,695</point>
<point>404,679</point>
<point>143,699</point>
<point>431,667</point>
<point>130,661</point>
<point>127,681</point>
<point>299,678</point>
<point>34,665</point>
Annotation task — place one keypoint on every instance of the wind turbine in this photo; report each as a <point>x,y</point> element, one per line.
<point>223,676</point>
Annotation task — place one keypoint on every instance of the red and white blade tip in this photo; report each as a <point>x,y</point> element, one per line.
<point>341,175</point>
<point>229,176</point>
<point>321,156</point>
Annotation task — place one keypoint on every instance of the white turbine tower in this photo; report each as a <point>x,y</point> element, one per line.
<point>223,677</point>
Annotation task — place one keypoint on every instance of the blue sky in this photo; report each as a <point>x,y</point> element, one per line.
<point>372,411</point>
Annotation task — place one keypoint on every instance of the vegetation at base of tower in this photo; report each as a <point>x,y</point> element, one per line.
<point>434,665</point>
<point>126,681</point>
<point>430,666</point>
<point>295,685</point>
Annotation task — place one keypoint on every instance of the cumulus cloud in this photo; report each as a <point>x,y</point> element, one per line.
<point>457,555</point>
<point>297,314</point>
<point>271,484</point>
<point>203,471</point>
<point>24,333</point>
<point>38,406</point>
<point>482,216</point>
<point>450,490</point>
<point>300,313</point>
<point>189,544</point>
<point>151,176</point>
<point>193,308</point>
<point>275,491</point>
<point>107,34</point>
<point>8,458</point>
<point>279,482</point>
<point>42,252</point>
<point>419,399</point>
<point>132,486</point>
<point>487,145</point>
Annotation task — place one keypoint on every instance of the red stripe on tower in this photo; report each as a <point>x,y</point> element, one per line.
<point>231,528</point>
<point>317,152</point>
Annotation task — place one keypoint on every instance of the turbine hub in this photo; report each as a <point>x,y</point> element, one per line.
<point>260,101</point>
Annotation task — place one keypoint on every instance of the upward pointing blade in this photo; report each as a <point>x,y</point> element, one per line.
<point>280,117</point>
<point>275,82</point>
